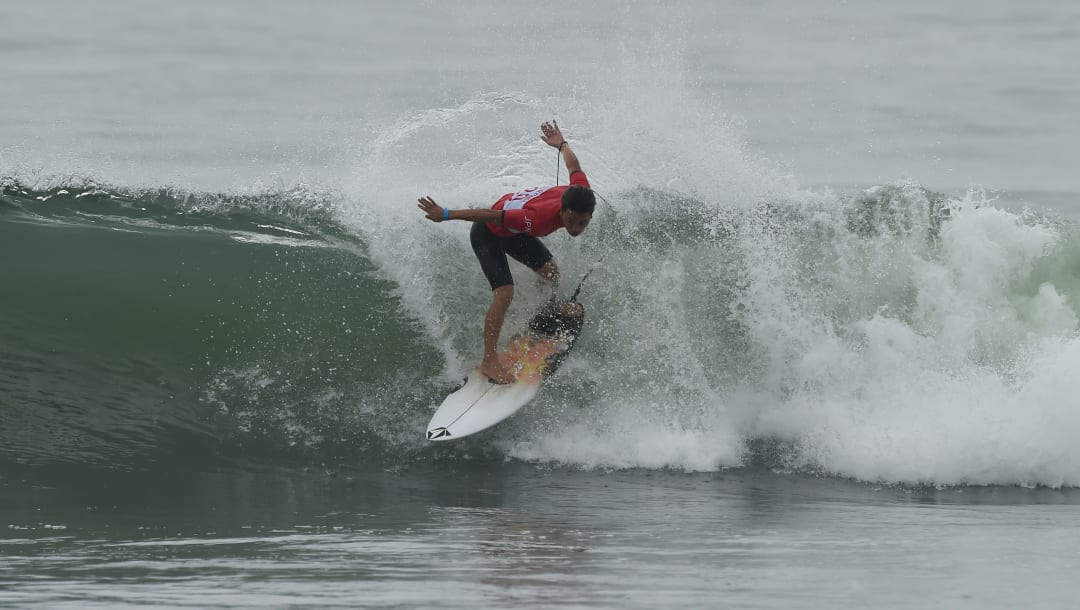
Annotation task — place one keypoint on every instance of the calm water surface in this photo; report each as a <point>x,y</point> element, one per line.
<point>506,535</point>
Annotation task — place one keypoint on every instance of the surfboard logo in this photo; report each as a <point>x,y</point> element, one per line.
<point>437,433</point>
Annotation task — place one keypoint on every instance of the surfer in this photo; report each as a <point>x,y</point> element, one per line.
<point>512,226</point>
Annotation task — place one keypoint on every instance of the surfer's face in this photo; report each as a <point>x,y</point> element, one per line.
<point>575,222</point>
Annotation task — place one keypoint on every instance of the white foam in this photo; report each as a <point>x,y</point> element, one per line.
<point>942,393</point>
<point>634,445</point>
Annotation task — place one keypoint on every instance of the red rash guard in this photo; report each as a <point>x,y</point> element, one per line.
<point>534,211</point>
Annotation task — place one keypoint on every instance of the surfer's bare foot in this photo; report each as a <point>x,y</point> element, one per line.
<point>496,372</point>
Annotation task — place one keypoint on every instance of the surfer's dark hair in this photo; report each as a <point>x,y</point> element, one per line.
<point>579,199</point>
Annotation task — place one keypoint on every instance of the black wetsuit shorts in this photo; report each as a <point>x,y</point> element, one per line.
<point>491,251</point>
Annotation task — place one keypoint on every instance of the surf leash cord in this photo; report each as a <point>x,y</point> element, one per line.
<point>585,277</point>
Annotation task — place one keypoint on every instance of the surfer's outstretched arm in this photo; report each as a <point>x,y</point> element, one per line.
<point>437,213</point>
<point>554,138</point>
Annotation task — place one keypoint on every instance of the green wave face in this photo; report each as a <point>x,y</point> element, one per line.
<point>145,324</point>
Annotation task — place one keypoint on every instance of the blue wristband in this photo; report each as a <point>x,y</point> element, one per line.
<point>446,214</point>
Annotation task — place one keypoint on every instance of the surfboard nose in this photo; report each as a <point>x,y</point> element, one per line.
<point>437,434</point>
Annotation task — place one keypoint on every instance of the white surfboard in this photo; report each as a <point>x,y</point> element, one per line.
<point>532,356</point>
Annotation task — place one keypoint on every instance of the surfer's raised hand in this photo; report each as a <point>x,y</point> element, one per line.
<point>554,138</point>
<point>432,210</point>
<point>552,134</point>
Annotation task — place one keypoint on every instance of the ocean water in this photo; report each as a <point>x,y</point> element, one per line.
<point>832,324</point>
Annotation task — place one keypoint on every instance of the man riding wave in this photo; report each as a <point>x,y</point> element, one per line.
<point>511,227</point>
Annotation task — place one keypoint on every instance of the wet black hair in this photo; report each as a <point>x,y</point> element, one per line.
<point>579,199</point>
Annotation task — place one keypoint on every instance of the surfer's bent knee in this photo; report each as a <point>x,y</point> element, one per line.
<point>549,270</point>
<point>503,293</point>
